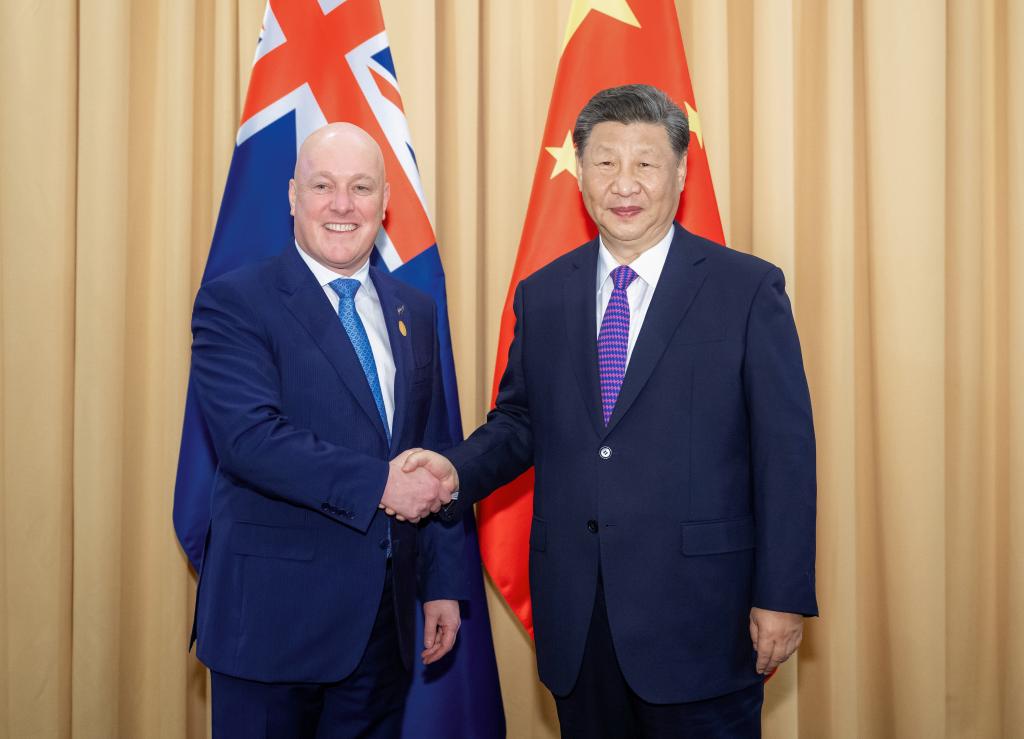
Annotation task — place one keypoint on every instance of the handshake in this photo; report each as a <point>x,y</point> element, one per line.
<point>419,483</point>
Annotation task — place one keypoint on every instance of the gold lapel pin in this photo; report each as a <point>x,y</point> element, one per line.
<point>402,329</point>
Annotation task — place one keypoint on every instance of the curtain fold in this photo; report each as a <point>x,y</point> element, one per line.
<point>870,148</point>
<point>38,193</point>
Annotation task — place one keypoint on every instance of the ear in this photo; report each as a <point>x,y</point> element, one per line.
<point>579,171</point>
<point>681,174</point>
<point>387,199</point>
<point>291,195</point>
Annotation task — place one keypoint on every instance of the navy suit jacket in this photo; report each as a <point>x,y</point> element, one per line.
<point>695,503</point>
<point>294,562</point>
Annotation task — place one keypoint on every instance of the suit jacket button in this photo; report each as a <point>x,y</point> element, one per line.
<point>605,452</point>
<point>592,526</point>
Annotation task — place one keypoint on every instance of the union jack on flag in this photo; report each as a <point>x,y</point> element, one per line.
<point>318,62</point>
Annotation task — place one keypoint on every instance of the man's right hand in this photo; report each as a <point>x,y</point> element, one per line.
<point>411,495</point>
<point>436,464</point>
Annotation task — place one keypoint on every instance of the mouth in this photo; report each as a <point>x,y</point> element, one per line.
<point>626,211</point>
<point>340,227</point>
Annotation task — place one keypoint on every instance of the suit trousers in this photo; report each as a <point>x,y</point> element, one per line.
<point>602,705</point>
<point>368,703</point>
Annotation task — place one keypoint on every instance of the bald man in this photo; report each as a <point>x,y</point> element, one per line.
<point>315,372</point>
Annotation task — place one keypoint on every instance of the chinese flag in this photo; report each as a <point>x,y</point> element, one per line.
<point>607,43</point>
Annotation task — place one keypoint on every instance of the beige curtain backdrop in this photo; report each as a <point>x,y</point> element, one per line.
<point>871,148</point>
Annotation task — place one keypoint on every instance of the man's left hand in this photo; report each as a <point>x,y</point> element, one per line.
<point>775,635</point>
<point>441,623</point>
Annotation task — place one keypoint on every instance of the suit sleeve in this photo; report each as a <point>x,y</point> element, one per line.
<point>782,453</point>
<point>442,560</point>
<point>239,391</point>
<point>502,449</point>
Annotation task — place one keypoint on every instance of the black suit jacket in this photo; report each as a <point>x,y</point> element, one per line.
<point>695,503</point>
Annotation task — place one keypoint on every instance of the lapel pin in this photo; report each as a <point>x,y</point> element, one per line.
<point>400,310</point>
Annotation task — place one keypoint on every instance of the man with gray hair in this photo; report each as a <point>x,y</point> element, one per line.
<point>655,382</point>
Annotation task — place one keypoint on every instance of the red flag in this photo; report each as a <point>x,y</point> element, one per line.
<point>607,43</point>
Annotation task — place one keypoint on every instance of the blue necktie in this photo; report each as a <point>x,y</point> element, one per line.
<point>346,290</point>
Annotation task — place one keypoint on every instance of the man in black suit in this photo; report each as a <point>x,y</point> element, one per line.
<point>655,382</point>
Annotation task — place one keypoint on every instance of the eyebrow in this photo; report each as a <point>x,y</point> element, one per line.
<point>328,175</point>
<point>603,149</point>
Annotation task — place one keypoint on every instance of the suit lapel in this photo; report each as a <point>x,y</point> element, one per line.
<point>401,346</point>
<point>681,279</point>
<point>580,296</point>
<point>305,300</point>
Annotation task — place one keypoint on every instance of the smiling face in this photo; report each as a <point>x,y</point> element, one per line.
<point>338,196</point>
<point>631,181</point>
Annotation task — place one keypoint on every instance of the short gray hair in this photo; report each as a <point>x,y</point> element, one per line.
<point>633,104</point>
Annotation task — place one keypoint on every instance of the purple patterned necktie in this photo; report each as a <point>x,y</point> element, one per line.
<point>613,340</point>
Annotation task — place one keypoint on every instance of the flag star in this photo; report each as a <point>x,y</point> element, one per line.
<point>565,156</point>
<point>617,9</point>
<point>695,127</point>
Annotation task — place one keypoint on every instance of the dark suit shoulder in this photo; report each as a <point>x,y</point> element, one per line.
<point>415,297</point>
<point>724,258</point>
<point>556,270</point>
<point>251,276</point>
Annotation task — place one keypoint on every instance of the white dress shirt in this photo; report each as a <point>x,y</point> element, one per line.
<point>372,315</point>
<point>648,268</point>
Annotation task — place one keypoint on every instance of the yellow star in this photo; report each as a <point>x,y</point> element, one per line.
<point>565,156</point>
<point>695,128</point>
<point>617,9</point>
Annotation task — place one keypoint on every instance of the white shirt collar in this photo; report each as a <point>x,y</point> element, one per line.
<point>647,266</point>
<point>325,276</point>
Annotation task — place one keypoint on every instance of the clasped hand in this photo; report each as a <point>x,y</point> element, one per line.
<point>419,483</point>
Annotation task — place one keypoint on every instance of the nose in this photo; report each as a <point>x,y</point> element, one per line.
<point>342,200</point>
<point>625,183</point>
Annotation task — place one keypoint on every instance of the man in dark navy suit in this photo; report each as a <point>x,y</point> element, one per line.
<point>655,382</point>
<point>315,371</point>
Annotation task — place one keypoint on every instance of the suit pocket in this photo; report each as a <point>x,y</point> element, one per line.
<point>718,537</point>
<point>276,542</point>
<point>539,535</point>
<point>694,340</point>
